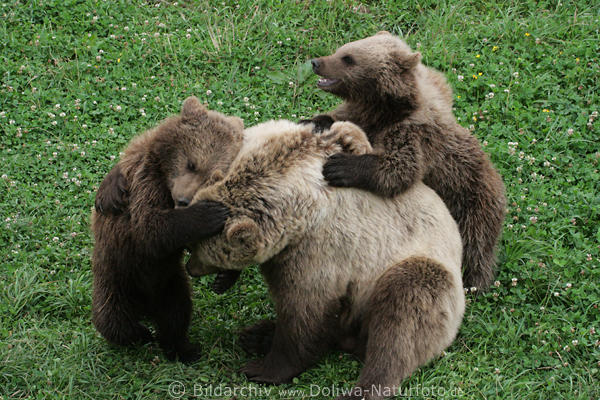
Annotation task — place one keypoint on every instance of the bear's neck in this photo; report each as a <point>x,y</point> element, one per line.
<point>373,114</point>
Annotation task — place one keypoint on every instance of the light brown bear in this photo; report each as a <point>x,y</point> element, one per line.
<point>405,108</point>
<point>379,277</point>
<point>137,260</point>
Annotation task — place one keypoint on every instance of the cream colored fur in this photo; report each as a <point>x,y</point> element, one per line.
<point>331,238</point>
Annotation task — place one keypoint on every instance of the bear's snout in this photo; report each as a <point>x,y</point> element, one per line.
<point>182,202</point>
<point>316,63</point>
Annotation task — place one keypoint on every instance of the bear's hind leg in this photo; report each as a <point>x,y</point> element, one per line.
<point>415,310</point>
<point>116,319</point>
<point>172,312</point>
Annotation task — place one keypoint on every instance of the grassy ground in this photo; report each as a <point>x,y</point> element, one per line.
<point>80,78</point>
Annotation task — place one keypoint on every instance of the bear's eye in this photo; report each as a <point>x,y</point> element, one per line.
<point>348,60</point>
<point>191,166</point>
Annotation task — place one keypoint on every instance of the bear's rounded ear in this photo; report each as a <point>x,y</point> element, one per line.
<point>237,123</point>
<point>242,231</point>
<point>406,61</point>
<point>383,33</point>
<point>192,109</point>
<point>414,59</point>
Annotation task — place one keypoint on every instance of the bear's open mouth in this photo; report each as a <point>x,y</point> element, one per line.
<point>326,82</point>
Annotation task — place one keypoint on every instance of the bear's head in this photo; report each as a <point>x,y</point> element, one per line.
<point>194,149</point>
<point>377,67</point>
<point>275,191</point>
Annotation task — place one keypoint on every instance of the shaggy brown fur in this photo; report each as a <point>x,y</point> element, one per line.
<point>405,109</point>
<point>346,269</point>
<point>137,253</point>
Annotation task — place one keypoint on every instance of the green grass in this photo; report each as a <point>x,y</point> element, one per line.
<point>80,78</point>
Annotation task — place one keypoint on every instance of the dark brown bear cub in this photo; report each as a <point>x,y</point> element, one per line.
<point>137,259</point>
<point>405,108</point>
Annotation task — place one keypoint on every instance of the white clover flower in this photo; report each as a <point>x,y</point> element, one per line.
<point>208,92</point>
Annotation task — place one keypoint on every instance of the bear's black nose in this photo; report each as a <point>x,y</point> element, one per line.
<point>183,202</point>
<point>315,64</point>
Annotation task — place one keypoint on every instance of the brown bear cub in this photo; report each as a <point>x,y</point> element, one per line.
<point>144,226</point>
<point>405,108</point>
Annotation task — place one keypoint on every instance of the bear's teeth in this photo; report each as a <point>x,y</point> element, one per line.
<point>326,82</point>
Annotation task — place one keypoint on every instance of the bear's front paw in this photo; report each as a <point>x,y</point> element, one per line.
<point>264,371</point>
<point>187,354</point>
<point>342,170</point>
<point>321,122</point>
<point>352,139</point>
<point>209,215</point>
<point>112,196</point>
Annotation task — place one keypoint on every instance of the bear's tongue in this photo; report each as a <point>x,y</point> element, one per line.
<point>324,82</point>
